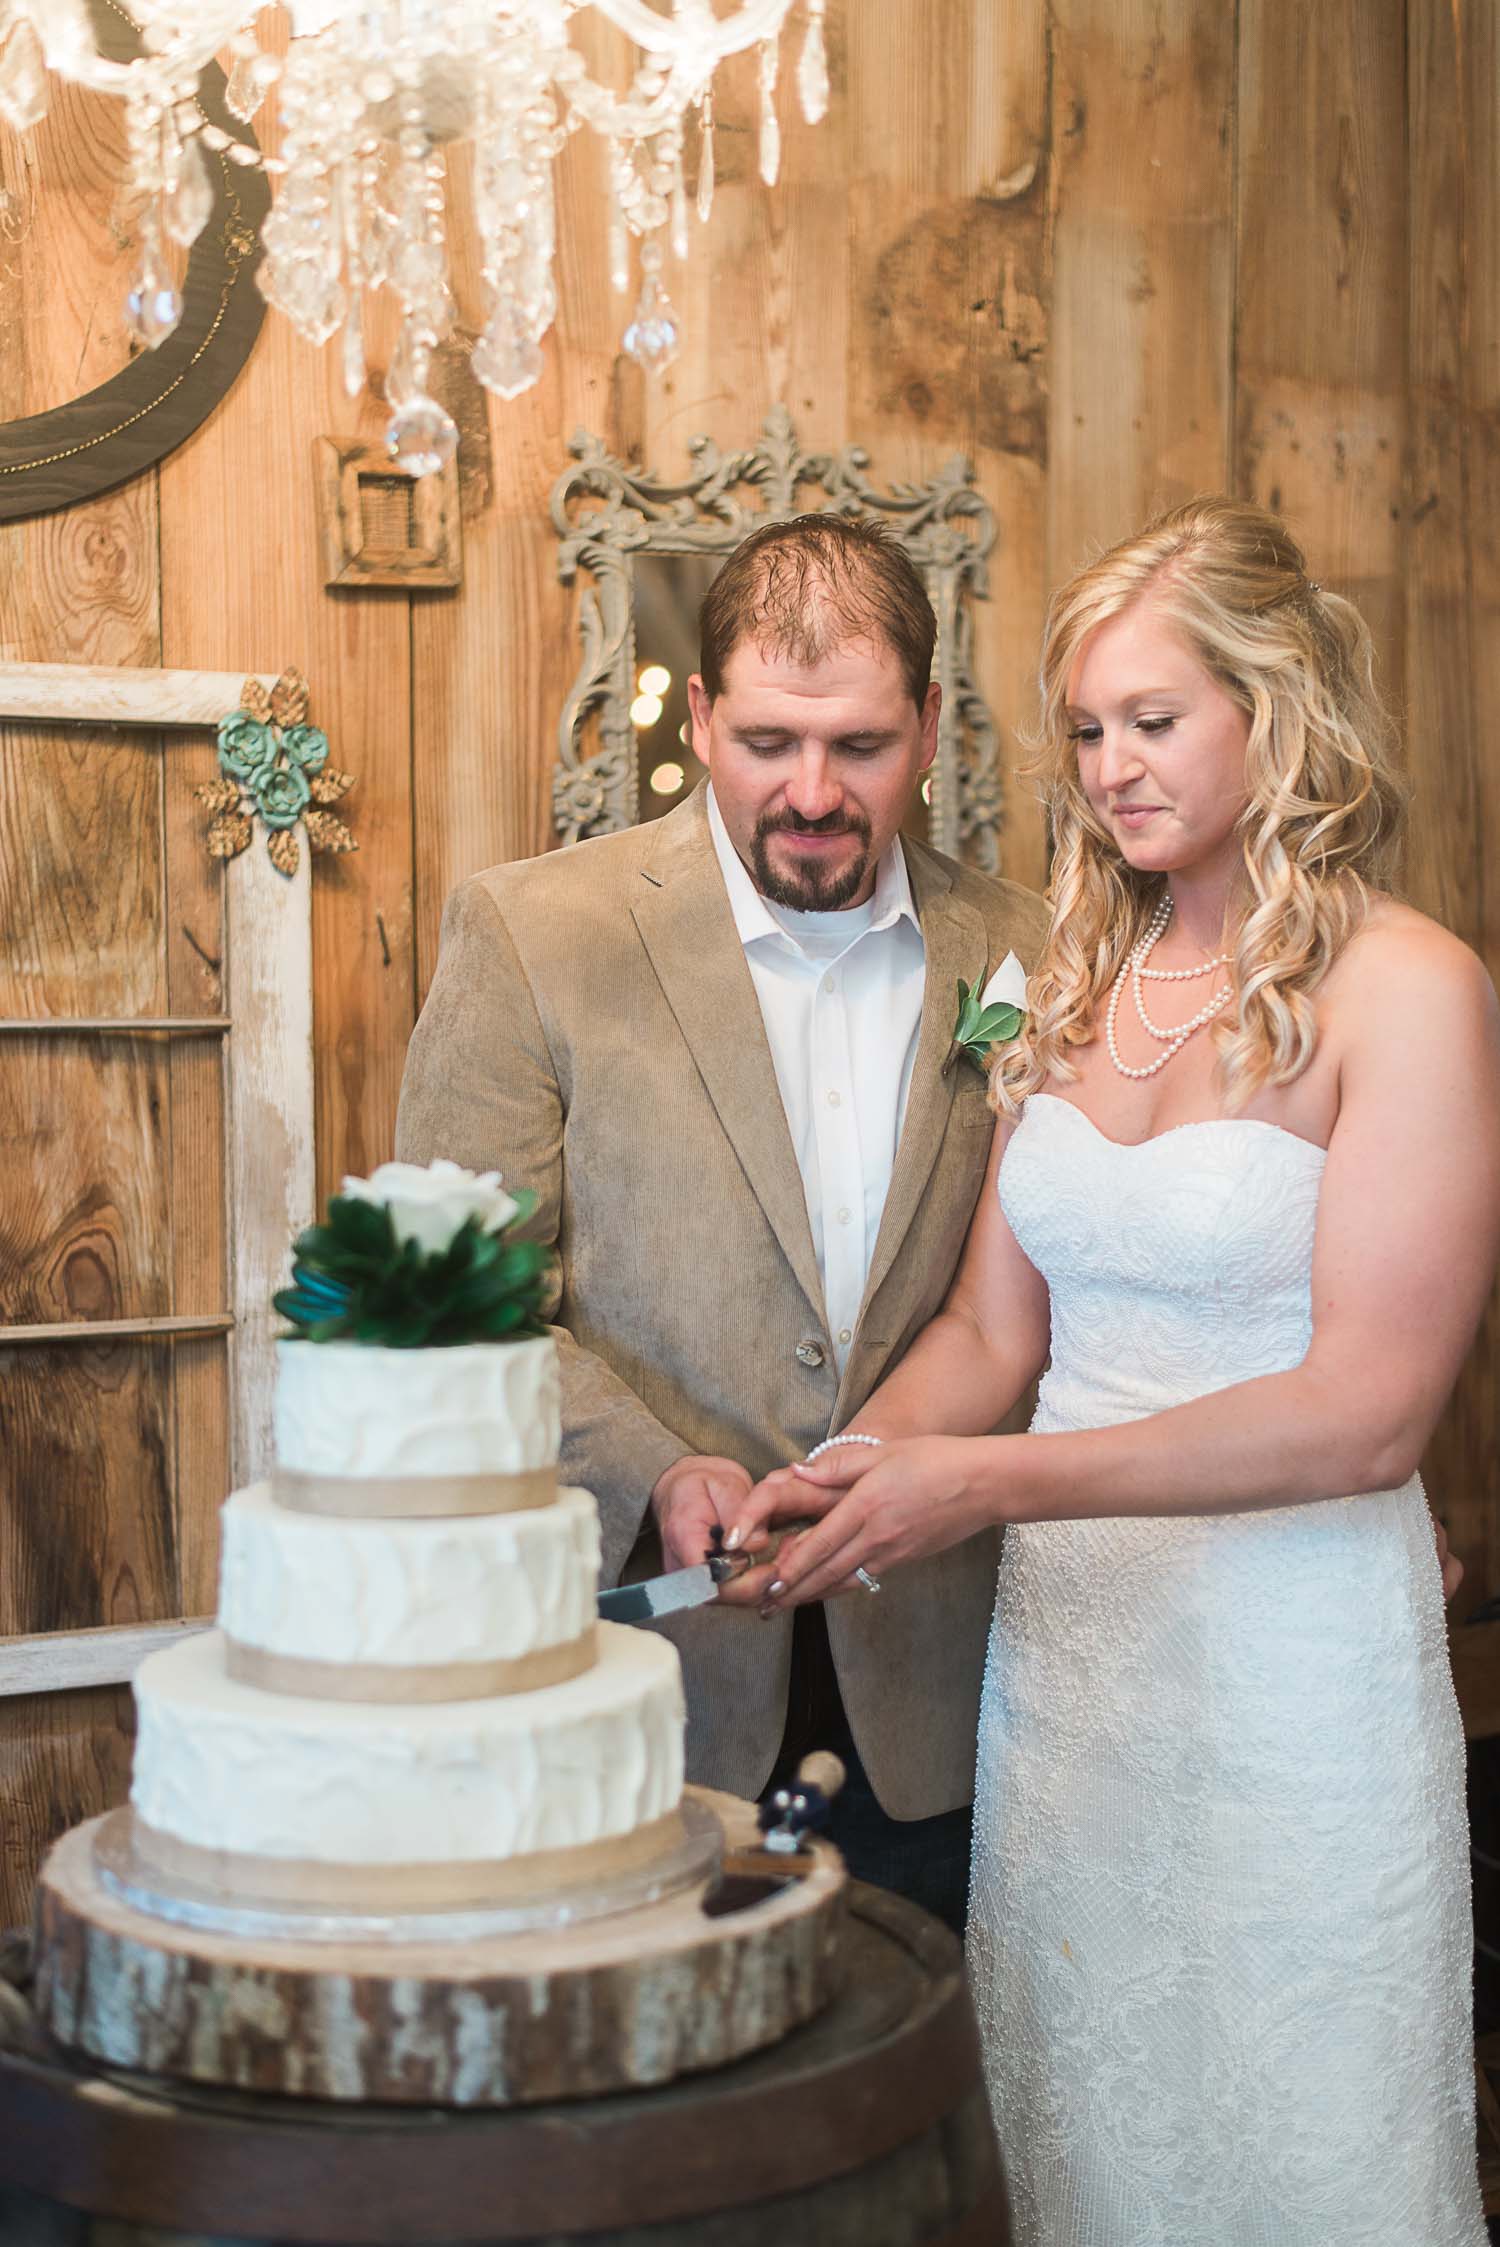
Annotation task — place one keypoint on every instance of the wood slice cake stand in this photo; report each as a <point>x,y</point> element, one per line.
<point>615,2003</point>
<point>868,2127</point>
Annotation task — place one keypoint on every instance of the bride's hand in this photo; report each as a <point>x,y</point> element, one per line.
<point>901,1502</point>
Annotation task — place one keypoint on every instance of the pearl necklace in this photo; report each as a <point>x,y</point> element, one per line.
<point>1135,969</point>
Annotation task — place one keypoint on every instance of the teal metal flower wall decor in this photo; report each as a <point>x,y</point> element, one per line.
<point>275,768</point>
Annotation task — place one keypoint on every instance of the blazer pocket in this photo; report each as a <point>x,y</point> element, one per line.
<point>972,1111</point>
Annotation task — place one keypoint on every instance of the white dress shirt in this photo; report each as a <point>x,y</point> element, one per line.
<point>841,998</point>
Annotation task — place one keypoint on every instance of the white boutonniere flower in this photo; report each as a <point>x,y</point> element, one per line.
<point>991,1017</point>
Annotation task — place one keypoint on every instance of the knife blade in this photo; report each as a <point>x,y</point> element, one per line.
<point>660,1595</point>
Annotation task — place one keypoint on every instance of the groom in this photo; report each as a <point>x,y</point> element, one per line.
<point>717,1048</point>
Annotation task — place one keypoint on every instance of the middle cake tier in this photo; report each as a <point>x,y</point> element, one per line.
<point>444,1608</point>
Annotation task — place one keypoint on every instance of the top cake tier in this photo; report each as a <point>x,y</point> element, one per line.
<point>346,1410</point>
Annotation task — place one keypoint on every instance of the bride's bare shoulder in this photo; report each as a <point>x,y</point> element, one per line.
<point>1401,963</point>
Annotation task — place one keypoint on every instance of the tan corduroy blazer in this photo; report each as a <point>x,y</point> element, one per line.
<point>592,1032</point>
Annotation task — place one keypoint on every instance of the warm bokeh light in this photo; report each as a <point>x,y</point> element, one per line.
<point>655,679</point>
<point>645,710</point>
<point>685,733</point>
<point>667,780</point>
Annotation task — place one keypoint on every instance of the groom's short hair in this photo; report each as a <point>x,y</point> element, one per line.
<point>810,584</point>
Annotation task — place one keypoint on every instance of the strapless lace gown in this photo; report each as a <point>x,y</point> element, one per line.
<point>1219,1932</point>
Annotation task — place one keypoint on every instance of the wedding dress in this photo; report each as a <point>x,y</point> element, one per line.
<point>1219,1928</point>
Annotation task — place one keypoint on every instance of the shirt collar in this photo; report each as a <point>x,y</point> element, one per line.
<point>892,900</point>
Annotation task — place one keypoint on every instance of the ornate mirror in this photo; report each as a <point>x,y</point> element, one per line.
<point>649,550</point>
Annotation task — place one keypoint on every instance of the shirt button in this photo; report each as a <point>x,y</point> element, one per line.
<point>829,983</point>
<point>843,1216</point>
<point>834,1101</point>
<point>845,1334</point>
<point>810,1354</point>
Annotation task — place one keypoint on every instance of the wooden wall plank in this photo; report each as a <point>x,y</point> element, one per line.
<point>1322,248</point>
<point>85,1185</point>
<point>492,664</point>
<point>949,156</point>
<point>1452,607</point>
<point>85,1514</point>
<point>64,1757</point>
<point>1143,281</point>
<point>194,890</point>
<point>242,587</point>
<point>87,1530</point>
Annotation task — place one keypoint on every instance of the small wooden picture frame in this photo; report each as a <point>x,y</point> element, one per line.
<point>381,526</point>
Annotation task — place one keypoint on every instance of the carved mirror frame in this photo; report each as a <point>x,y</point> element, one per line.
<point>605,513</point>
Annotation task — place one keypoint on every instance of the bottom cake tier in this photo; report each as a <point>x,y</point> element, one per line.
<point>272,1793</point>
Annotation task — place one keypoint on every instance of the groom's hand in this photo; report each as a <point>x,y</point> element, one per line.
<point>690,1500</point>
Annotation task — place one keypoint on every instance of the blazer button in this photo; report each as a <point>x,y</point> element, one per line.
<point>810,1354</point>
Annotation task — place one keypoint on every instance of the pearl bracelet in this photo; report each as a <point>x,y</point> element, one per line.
<point>830,1442</point>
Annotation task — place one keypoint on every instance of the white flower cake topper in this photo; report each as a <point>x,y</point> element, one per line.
<point>430,1205</point>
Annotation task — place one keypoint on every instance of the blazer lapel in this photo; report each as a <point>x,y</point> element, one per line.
<point>957,945</point>
<point>686,925</point>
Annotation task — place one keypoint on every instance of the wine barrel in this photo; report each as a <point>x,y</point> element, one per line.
<point>866,2128</point>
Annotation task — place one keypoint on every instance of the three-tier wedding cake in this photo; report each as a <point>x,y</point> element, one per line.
<point>408,1701</point>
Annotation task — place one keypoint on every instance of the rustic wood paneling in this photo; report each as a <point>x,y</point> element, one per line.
<point>948,200</point>
<point>88,1528</point>
<point>242,586</point>
<point>63,1757</point>
<point>87,1518</point>
<point>1451,591</point>
<point>1143,287</point>
<point>1320,304</point>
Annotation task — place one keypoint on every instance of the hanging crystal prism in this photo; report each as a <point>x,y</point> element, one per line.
<point>812,69</point>
<point>152,305</point>
<point>679,209</point>
<point>421,437</point>
<point>23,78</point>
<point>244,90</point>
<point>406,376</point>
<point>619,250</point>
<point>653,336</point>
<point>188,204</point>
<point>770,125</point>
<point>353,347</point>
<point>706,158</point>
<point>506,358</point>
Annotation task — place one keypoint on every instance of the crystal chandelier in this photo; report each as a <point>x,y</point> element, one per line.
<point>371,92</point>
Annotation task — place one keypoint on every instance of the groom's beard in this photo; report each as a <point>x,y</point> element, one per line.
<point>811,888</point>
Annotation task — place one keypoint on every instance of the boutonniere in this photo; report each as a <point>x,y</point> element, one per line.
<point>988,1018</point>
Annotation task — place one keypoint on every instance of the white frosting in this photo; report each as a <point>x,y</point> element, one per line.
<point>345,1408</point>
<point>226,1767</point>
<point>459,1588</point>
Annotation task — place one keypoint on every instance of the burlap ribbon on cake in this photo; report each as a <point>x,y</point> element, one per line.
<point>315,1680</point>
<point>233,1876</point>
<point>414,1497</point>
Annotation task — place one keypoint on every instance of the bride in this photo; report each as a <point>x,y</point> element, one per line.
<point>1244,1207</point>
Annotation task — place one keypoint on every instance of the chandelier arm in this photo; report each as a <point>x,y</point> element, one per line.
<point>661,35</point>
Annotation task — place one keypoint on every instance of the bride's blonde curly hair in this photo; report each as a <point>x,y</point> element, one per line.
<point>1322,824</point>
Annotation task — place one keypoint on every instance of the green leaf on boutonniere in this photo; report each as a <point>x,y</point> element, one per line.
<point>979,1029</point>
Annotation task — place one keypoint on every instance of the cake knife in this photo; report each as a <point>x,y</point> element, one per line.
<point>659,1595</point>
